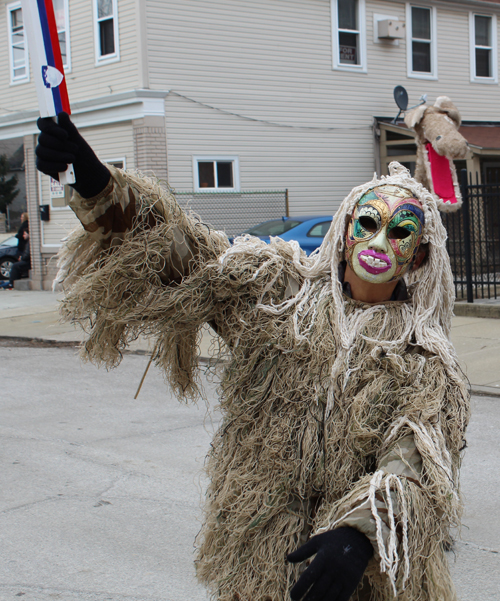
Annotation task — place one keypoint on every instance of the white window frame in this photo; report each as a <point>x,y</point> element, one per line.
<point>26,77</point>
<point>361,31</point>
<point>472,43</point>
<point>107,58</point>
<point>210,157</point>
<point>433,43</point>
<point>116,160</point>
<point>67,64</point>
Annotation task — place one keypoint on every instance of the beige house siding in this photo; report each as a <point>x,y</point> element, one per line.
<point>62,221</point>
<point>86,80</point>
<point>270,157</point>
<point>112,142</point>
<point>272,62</point>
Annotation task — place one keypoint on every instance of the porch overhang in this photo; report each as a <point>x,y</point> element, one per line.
<point>113,108</point>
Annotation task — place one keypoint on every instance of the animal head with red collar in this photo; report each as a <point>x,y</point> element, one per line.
<point>438,143</point>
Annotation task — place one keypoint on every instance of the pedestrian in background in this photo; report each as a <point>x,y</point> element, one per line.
<point>21,242</point>
<point>22,267</point>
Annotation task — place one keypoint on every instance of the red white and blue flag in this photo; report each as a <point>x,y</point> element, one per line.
<point>45,55</point>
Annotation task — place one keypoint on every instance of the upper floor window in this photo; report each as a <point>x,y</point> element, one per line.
<point>421,41</point>
<point>349,35</point>
<point>483,48</point>
<point>106,31</point>
<point>18,52</point>
<point>216,173</point>
<point>62,23</point>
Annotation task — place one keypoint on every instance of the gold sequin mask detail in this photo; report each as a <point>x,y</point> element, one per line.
<point>384,234</point>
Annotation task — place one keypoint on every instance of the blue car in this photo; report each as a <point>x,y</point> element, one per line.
<point>8,256</point>
<point>307,230</point>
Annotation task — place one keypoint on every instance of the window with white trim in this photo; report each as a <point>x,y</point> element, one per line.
<point>106,31</point>
<point>483,48</point>
<point>421,41</point>
<point>216,173</point>
<point>118,163</point>
<point>62,22</point>
<point>18,52</point>
<point>349,35</point>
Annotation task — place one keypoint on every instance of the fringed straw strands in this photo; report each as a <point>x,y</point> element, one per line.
<point>316,390</point>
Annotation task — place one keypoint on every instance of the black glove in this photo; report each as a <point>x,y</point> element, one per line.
<point>60,144</point>
<point>341,559</point>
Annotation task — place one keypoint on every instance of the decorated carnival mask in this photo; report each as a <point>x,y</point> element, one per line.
<point>384,234</point>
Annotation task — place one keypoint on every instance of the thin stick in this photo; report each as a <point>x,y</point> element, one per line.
<point>144,374</point>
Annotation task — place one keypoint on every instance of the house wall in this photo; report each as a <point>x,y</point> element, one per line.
<point>247,78</point>
<point>308,127</point>
<point>94,92</point>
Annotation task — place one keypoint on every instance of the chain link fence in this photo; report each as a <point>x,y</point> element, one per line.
<point>235,212</point>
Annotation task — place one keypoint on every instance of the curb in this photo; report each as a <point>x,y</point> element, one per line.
<point>26,341</point>
<point>464,309</point>
<point>38,342</point>
<point>33,342</point>
<point>485,391</point>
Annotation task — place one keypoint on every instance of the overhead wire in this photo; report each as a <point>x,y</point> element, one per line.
<point>254,119</point>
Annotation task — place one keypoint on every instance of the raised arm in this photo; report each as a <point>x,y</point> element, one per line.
<point>142,266</point>
<point>139,266</point>
<point>107,204</point>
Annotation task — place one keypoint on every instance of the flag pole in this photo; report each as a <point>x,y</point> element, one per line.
<point>46,60</point>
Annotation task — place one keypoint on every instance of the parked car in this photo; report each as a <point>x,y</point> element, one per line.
<point>8,256</point>
<point>307,230</point>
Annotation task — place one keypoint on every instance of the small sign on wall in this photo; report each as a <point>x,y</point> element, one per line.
<point>56,189</point>
<point>59,194</point>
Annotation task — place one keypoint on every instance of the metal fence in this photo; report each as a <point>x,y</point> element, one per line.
<point>235,212</point>
<point>474,240</point>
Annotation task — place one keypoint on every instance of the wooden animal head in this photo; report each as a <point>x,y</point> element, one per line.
<point>438,143</point>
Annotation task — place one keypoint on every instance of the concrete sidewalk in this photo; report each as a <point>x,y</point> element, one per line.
<point>34,315</point>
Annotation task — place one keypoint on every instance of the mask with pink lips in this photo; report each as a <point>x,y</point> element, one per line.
<point>384,234</point>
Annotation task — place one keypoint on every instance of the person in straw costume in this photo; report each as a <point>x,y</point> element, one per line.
<point>344,407</point>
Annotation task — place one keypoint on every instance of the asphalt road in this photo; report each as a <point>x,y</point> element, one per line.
<point>100,493</point>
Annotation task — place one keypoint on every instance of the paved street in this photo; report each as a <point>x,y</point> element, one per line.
<point>100,493</point>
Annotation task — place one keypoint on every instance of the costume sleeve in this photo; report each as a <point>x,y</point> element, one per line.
<point>140,266</point>
<point>132,205</point>
<point>406,507</point>
<point>402,460</point>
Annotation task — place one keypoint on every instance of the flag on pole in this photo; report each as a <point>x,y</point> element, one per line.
<point>45,55</point>
<point>46,60</point>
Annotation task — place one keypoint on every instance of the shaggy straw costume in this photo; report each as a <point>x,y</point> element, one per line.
<point>335,412</point>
